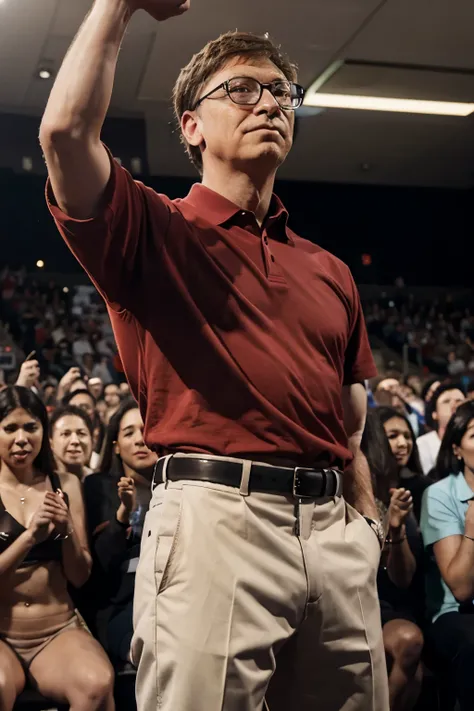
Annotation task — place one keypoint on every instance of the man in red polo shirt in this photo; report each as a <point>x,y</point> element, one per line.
<point>246,349</point>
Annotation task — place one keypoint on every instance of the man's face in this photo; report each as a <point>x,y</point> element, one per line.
<point>249,138</point>
<point>446,405</point>
<point>112,395</point>
<point>71,441</point>
<point>85,402</point>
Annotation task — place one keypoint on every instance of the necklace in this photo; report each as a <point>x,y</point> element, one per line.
<point>23,498</point>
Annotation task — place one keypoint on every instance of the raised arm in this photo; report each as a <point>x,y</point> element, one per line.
<point>78,164</point>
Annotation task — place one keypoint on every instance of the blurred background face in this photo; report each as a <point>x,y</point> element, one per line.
<point>446,404</point>
<point>88,361</point>
<point>21,437</point>
<point>112,395</point>
<point>400,439</point>
<point>71,442</point>
<point>95,387</point>
<point>124,389</point>
<point>49,392</point>
<point>234,134</point>
<point>85,402</point>
<point>130,445</point>
<point>101,409</point>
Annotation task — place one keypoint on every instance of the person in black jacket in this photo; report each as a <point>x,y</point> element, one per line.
<point>117,500</point>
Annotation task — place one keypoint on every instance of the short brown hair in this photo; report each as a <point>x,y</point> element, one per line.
<point>210,60</point>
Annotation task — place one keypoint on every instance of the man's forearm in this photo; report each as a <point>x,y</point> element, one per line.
<point>81,94</point>
<point>358,489</point>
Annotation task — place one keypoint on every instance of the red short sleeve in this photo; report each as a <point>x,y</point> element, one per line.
<point>115,246</point>
<point>359,363</point>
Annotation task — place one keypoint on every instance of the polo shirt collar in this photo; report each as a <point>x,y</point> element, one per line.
<point>463,491</point>
<point>218,210</point>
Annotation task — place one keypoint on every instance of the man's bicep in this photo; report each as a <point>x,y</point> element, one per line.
<point>118,244</point>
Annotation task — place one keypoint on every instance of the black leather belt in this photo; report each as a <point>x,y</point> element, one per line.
<point>300,482</point>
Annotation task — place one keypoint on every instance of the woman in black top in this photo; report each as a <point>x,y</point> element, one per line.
<point>403,445</point>
<point>116,503</point>
<point>399,586</point>
<point>43,548</point>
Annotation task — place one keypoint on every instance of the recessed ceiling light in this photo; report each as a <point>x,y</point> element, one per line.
<point>45,74</point>
<point>379,103</point>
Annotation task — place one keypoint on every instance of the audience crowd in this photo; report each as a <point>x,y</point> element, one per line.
<point>438,334</point>
<point>75,478</point>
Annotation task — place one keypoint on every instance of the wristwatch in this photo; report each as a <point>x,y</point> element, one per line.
<point>378,529</point>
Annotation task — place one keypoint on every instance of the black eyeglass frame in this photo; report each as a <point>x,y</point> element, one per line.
<point>225,85</point>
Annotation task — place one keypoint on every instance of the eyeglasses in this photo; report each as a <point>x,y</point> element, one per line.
<point>246,91</point>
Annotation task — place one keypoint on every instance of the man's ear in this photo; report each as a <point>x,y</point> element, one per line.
<point>191,127</point>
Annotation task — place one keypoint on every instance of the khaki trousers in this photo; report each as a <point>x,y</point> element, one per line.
<point>232,607</point>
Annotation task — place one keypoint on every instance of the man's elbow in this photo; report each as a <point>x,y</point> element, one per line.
<point>62,136</point>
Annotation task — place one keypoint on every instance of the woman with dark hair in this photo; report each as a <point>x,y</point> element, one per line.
<point>397,586</point>
<point>43,548</point>
<point>447,526</point>
<point>402,442</point>
<point>116,503</point>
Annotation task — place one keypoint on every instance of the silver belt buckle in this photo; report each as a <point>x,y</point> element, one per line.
<point>296,474</point>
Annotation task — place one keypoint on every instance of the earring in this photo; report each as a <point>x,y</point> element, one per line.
<point>460,458</point>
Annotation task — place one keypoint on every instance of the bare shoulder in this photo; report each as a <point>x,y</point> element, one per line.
<point>69,482</point>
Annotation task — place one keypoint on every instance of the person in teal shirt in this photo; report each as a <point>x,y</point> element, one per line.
<point>447,527</point>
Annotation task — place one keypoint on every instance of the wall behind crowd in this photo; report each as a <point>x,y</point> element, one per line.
<point>418,234</point>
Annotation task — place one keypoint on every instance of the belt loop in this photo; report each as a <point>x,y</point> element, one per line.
<point>164,479</point>
<point>245,479</point>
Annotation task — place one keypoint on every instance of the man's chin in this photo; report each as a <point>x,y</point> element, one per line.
<point>267,157</point>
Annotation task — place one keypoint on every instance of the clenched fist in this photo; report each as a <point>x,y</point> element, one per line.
<point>161,9</point>
<point>29,374</point>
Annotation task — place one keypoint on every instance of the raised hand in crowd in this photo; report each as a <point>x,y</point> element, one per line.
<point>66,382</point>
<point>128,497</point>
<point>29,374</point>
<point>401,504</point>
<point>61,514</point>
<point>41,524</point>
<point>160,9</point>
<point>401,563</point>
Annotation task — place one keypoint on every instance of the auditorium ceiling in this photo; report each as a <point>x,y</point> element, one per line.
<point>423,49</point>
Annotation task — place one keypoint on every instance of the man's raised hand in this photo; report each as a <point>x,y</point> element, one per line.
<point>161,9</point>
